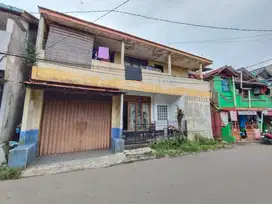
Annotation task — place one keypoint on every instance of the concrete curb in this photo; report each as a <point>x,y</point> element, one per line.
<point>127,156</point>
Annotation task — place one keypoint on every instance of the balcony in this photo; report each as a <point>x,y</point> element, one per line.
<point>112,75</point>
<point>70,54</point>
<point>226,100</point>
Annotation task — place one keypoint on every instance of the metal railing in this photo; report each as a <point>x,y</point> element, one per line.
<point>145,133</point>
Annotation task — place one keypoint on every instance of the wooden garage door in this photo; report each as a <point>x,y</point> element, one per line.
<point>71,126</point>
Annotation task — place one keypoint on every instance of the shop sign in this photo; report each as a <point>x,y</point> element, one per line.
<point>247,113</point>
<point>224,118</point>
<point>233,115</point>
<point>268,113</point>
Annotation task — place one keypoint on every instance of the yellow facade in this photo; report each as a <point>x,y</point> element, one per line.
<point>117,57</point>
<point>32,109</point>
<point>176,71</point>
<point>115,115</point>
<point>115,79</point>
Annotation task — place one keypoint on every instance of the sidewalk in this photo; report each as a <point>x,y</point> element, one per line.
<point>78,161</point>
<point>89,160</point>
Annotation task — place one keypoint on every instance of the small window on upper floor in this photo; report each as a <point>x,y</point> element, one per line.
<point>225,85</point>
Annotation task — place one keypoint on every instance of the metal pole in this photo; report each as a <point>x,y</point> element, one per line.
<point>262,121</point>
<point>121,110</point>
<point>169,65</point>
<point>241,80</point>
<point>249,99</point>
<point>234,91</point>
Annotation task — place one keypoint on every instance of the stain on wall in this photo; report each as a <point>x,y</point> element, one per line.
<point>198,116</point>
<point>176,71</point>
<point>114,77</point>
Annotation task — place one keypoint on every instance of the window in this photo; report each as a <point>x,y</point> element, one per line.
<point>142,64</point>
<point>225,85</point>
<point>162,112</point>
<point>138,115</point>
<point>134,62</point>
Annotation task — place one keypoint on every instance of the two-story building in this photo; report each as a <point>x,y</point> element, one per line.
<point>240,103</point>
<point>264,74</point>
<point>93,85</point>
<point>18,29</point>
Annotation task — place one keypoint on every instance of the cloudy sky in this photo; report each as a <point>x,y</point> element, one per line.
<point>255,14</point>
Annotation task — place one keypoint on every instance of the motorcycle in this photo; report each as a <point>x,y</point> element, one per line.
<point>266,138</point>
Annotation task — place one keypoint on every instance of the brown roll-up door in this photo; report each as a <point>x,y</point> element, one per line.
<point>74,125</point>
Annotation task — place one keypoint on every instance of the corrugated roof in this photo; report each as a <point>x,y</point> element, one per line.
<point>11,8</point>
<point>19,12</point>
<point>255,72</point>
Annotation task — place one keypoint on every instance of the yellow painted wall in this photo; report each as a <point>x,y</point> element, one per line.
<point>115,116</point>
<point>32,109</point>
<point>115,79</point>
<point>176,71</point>
<point>179,71</point>
<point>152,63</point>
<point>117,57</point>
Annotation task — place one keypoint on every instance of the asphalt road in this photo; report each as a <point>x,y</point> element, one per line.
<point>241,175</point>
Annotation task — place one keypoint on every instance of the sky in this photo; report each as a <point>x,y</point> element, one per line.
<point>241,52</point>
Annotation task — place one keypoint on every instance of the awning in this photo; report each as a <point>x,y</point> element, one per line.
<point>69,86</point>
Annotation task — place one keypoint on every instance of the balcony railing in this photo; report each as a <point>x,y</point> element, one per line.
<point>261,101</point>
<point>112,75</point>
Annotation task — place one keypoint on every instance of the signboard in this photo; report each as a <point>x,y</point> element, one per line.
<point>268,113</point>
<point>233,115</point>
<point>247,113</point>
<point>224,118</point>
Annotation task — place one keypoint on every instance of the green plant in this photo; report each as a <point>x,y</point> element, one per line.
<point>7,173</point>
<point>205,141</point>
<point>180,116</point>
<point>31,56</point>
<point>179,145</point>
<point>191,146</point>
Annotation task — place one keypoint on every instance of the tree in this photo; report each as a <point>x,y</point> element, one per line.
<point>180,116</point>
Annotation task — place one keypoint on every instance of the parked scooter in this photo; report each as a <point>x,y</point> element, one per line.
<point>266,138</point>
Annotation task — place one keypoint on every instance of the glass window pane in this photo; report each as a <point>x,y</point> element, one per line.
<point>139,117</point>
<point>145,115</point>
<point>132,116</point>
<point>162,112</point>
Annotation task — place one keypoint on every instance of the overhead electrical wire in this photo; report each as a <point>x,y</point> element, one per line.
<point>111,10</point>
<point>253,65</point>
<point>93,21</point>
<point>220,39</point>
<point>175,22</point>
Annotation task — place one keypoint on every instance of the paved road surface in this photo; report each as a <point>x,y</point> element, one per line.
<point>242,175</point>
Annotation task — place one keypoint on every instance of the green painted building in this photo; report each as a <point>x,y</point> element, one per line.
<point>242,99</point>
